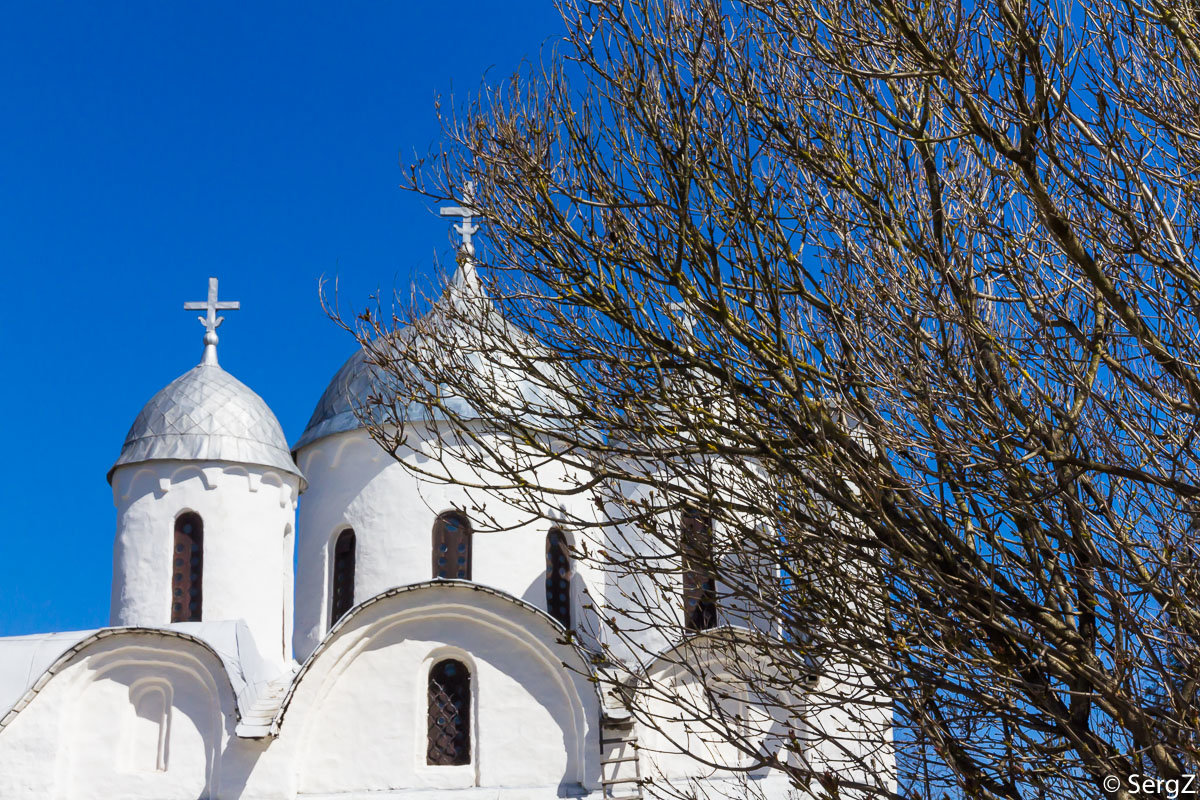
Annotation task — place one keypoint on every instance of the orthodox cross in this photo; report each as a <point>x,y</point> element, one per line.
<point>466,228</point>
<point>211,321</point>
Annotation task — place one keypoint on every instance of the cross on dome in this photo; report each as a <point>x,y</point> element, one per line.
<point>466,228</point>
<point>211,321</point>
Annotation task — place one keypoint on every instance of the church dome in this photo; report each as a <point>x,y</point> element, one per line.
<point>344,400</point>
<point>206,414</point>
<point>463,304</point>
<point>335,411</point>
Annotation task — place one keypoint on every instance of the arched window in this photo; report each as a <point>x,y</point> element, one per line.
<point>699,584</point>
<point>449,714</point>
<point>342,588</point>
<point>452,546</point>
<point>187,579</point>
<point>558,577</point>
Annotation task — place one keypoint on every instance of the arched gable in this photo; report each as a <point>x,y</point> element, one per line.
<point>70,654</point>
<point>364,692</point>
<point>163,699</point>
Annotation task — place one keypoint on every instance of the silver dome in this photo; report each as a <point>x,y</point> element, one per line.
<point>335,410</point>
<point>345,400</point>
<point>206,414</point>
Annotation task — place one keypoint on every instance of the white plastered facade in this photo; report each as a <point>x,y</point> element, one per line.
<point>251,514</point>
<point>354,484</point>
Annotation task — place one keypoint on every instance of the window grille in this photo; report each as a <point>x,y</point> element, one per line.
<point>187,579</point>
<point>558,577</point>
<point>342,590</point>
<point>452,546</point>
<point>449,714</point>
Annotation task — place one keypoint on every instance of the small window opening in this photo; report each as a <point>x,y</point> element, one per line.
<point>699,582</point>
<point>452,546</point>
<point>187,578</point>
<point>342,599</point>
<point>558,577</point>
<point>449,714</point>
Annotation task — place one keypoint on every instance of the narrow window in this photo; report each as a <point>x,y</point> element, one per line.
<point>449,714</point>
<point>699,584</point>
<point>558,577</point>
<point>187,579</point>
<point>342,591</point>
<point>452,546</point>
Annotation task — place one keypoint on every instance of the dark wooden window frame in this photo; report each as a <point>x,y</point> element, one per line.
<point>558,577</point>
<point>187,568</point>
<point>449,714</point>
<point>341,584</point>
<point>452,534</point>
<point>699,582</point>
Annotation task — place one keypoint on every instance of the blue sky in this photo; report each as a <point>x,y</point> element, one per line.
<point>145,146</point>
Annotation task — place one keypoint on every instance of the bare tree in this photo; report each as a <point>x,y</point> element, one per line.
<point>878,322</point>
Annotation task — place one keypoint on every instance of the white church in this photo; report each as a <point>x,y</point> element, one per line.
<point>405,655</point>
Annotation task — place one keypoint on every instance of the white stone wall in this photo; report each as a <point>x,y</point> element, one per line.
<point>248,514</point>
<point>848,728</point>
<point>648,604</point>
<point>354,484</point>
<point>142,715</point>
<point>689,743</point>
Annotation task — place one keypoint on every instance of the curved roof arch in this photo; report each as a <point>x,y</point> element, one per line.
<point>586,661</point>
<point>39,672</point>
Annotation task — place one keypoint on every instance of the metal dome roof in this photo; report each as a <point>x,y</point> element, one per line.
<point>344,400</point>
<point>335,410</point>
<point>206,414</point>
